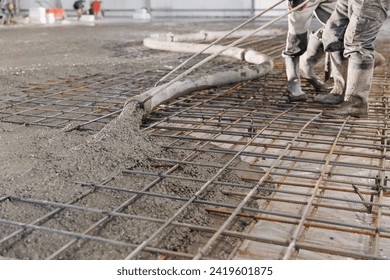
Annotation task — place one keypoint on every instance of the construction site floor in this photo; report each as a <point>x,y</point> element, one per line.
<point>234,172</point>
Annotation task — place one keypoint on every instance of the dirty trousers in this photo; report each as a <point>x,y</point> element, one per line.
<point>299,23</point>
<point>353,28</point>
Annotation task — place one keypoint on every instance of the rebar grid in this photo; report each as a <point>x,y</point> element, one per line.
<point>84,102</point>
<point>357,145</point>
<point>90,102</point>
<point>77,100</point>
<point>312,187</point>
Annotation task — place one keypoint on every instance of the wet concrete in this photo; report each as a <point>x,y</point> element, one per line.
<point>40,53</point>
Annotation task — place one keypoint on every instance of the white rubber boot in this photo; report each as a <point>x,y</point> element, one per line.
<point>294,91</point>
<point>339,67</point>
<point>360,72</point>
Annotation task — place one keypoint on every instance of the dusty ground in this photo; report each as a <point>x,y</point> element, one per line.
<point>44,163</point>
<point>37,54</point>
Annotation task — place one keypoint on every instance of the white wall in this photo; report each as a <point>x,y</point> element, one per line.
<point>173,7</point>
<point>200,7</point>
<point>68,4</point>
<point>226,7</point>
<point>264,4</point>
<point>202,4</point>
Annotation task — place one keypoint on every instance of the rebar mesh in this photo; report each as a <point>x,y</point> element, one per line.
<point>244,175</point>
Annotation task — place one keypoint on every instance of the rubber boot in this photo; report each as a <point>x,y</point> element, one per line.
<point>339,68</point>
<point>354,107</point>
<point>360,72</point>
<point>294,91</point>
<point>310,59</point>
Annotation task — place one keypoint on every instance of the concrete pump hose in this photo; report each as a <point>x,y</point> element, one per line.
<point>199,64</point>
<point>219,39</point>
<point>156,96</point>
<point>151,43</point>
<point>262,65</point>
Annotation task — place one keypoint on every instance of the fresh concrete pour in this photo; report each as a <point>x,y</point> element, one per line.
<point>43,163</point>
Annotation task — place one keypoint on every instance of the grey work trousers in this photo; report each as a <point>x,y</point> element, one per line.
<point>299,24</point>
<point>353,28</point>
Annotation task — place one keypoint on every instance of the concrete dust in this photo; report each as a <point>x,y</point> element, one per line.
<point>46,164</point>
<point>63,157</point>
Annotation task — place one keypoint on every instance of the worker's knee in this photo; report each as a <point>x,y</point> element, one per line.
<point>296,44</point>
<point>332,42</point>
<point>363,58</point>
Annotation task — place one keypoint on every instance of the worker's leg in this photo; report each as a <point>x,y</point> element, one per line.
<point>296,45</point>
<point>366,19</point>
<point>334,30</point>
<point>315,50</point>
<point>339,66</point>
<point>79,13</point>
<point>311,58</point>
<point>324,10</point>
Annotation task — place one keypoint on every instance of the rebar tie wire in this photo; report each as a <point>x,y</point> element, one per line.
<point>207,59</point>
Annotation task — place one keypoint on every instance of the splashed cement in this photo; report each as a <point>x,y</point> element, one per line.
<point>57,159</point>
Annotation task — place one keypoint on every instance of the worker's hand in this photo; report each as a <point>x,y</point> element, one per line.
<point>294,3</point>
